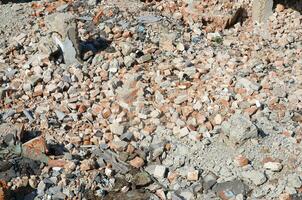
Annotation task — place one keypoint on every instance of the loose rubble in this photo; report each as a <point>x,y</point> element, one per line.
<point>177,99</point>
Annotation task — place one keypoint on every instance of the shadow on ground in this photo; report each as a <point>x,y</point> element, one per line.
<point>15,1</point>
<point>294,4</point>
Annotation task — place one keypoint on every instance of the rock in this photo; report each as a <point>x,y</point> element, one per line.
<point>54,190</point>
<point>70,47</point>
<point>209,181</point>
<point>47,76</point>
<point>166,41</point>
<point>65,28</point>
<point>9,139</point>
<point>60,115</point>
<point>142,179</point>
<point>117,128</point>
<point>261,10</point>
<point>175,196</point>
<point>294,180</point>
<point>41,187</point>
<point>296,196</point>
<point>247,84</point>
<point>51,88</point>
<point>47,47</point>
<point>21,38</point>
<point>127,48</point>
<point>239,128</point>
<point>230,189</point>
<point>92,2</point>
<point>280,8</point>
<point>33,182</point>
<point>257,177</point>
<point>161,194</point>
<point>58,195</point>
<point>180,99</point>
<point>241,161</point>
<point>27,87</point>
<point>188,195</point>
<point>193,175</point>
<point>180,47</point>
<point>285,196</point>
<point>184,132</point>
<point>88,164</point>
<point>118,145</point>
<point>137,162</point>
<point>9,113</point>
<point>273,166</point>
<point>129,61</point>
<point>144,58</point>
<point>132,194</point>
<point>145,19</point>
<point>60,23</point>
<point>160,171</point>
<point>127,136</point>
<point>214,36</point>
<point>11,129</point>
<point>218,119</point>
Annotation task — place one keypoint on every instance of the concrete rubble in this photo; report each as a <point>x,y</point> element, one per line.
<point>142,99</point>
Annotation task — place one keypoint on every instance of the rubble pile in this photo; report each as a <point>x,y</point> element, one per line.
<point>170,99</point>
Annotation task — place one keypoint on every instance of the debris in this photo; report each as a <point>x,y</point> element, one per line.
<point>117,128</point>
<point>261,10</point>
<point>193,175</point>
<point>273,166</point>
<point>257,177</point>
<point>137,162</point>
<point>142,179</point>
<point>36,149</point>
<point>97,17</point>
<point>3,190</point>
<point>65,35</point>
<point>209,181</point>
<point>230,189</point>
<point>241,161</point>
<point>88,164</point>
<point>148,19</point>
<point>280,8</point>
<point>148,111</point>
<point>11,129</point>
<point>160,171</point>
<point>239,128</point>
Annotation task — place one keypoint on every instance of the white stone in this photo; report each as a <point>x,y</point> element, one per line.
<point>213,36</point>
<point>51,87</point>
<point>257,177</point>
<point>180,99</point>
<point>27,87</point>
<point>218,119</point>
<point>160,171</point>
<point>183,132</point>
<point>239,128</point>
<point>127,48</point>
<point>117,128</point>
<point>258,104</point>
<point>293,180</point>
<point>180,47</point>
<point>273,166</point>
<point>155,114</point>
<point>128,61</point>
